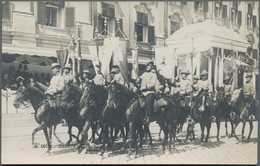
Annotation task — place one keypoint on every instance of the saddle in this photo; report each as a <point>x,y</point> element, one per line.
<point>158,103</point>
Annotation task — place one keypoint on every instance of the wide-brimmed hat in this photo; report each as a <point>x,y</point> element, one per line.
<point>113,71</point>
<point>185,72</point>
<point>67,66</point>
<point>204,72</point>
<point>249,75</point>
<point>226,78</point>
<point>86,71</point>
<point>148,62</point>
<point>196,77</point>
<point>55,65</point>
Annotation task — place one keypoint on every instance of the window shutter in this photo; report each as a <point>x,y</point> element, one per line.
<point>151,34</point>
<point>254,56</point>
<point>135,27</point>
<point>139,17</point>
<point>205,6</point>
<point>145,19</point>
<point>104,10</point>
<point>6,10</point>
<point>41,13</point>
<point>239,17</point>
<point>100,22</point>
<point>254,21</point>
<point>70,17</point>
<point>111,12</point>
<point>224,11</point>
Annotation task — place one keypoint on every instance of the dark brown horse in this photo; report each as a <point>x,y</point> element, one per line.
<point>166,115</point>
<point>113,113</point>
<point>223,110</point>
<point>201,113</point>
<point>44,115</point>
<point>71,95</point>
<point>91,103</point>
<point>241,112</point>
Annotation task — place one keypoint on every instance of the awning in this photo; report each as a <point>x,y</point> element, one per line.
<point>205,36</point>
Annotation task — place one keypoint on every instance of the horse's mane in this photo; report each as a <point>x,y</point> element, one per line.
<point>36,90</point>
<point>41,86</point>
<point>78,89</point>
<point>124,89</point>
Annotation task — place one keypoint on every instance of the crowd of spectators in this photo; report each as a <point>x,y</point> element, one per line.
<point>9,78</point>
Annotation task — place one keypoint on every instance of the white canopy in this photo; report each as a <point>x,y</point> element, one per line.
<point>205,36</point>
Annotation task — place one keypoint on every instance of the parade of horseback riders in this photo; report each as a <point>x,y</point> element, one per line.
<point>122,102</point>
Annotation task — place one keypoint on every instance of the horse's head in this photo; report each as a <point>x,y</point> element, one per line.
<point>201,100</point>
<point>220,94</point>
<point>22,94</point>
<point>70,92</point>
<point>236,95</point>
<point>113,99</point>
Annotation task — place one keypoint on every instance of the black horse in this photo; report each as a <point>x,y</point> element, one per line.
<point>71,95</point>
<point>201,113</point>
<point>91,102</point>
<point>45,116</point>
<point>113,113</point>
<point>166,114</point>
<point>223,110</point>
<point>241,112</point>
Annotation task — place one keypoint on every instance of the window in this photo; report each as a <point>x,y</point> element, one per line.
<point>107,19</point>
<point>234,12</point>
<point>144,32</point>
<point>51,16</point>
<point>201,6</point>
<point>249,15</point>
<point>174,26</point>
<point>6,12</point>
<point>48,12</point>
<point>218,8</point>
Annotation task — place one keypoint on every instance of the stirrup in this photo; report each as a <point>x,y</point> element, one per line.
<point>146,120</point>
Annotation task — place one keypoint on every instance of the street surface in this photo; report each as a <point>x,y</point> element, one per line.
<point>17,149</point>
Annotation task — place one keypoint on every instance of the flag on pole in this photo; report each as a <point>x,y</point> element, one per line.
<point>216,76</point>
<point>164,58</point>
<point>94,56</point>
<point>135,68</point>
<point>62,56</point>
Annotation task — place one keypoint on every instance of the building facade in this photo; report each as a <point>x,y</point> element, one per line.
<point>39,28</point>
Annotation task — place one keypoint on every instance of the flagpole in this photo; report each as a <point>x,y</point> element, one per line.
<point>191,94</point>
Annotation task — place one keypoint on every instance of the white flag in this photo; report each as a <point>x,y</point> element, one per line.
<point>135,68</point>
<point>164,58</point>
<point>94,56</point>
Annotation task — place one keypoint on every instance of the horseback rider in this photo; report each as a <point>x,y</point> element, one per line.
<point>184,87</point>
<point>67,76</point>
<point>55,90</point>
<point>227,88</point>
<point>249,92</point>
<point>86,78</point>
<point>148,82</point>
<point>195,86</point>
<point>99,78</point>
<point>118,77</point>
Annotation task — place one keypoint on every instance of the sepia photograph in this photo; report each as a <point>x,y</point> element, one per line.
<point>130,82</point>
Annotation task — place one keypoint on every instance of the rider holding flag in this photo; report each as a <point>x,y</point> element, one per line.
<point>148,82</point>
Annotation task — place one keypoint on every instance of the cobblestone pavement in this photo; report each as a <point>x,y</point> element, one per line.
<point>17,149</point>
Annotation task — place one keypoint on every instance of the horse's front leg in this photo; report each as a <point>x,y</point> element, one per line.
<point>243,129</point>
<point>105,137</point>
<point>202,128</point>
<point>47,139</point>
<point>251,128</point>
<point>40,127</point>
<point>147,130</point>
<point>50,134</point>
<point>54,133</point>
<point>226,126</point>
<point>70,136</point>
<point>208,131</point>
<point>165,132</point>
<point>218,127</point>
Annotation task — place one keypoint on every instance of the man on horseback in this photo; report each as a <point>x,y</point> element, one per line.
<point>148,82</point>
<point>118,76</point>
<point>184,87</point>
<point>227,88</point>
<point>67,76</point>
<point>86,78</point>
<point>249,92</point>
<point>55,90</point>
<point>206,85</point>
<point>99,78</point>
